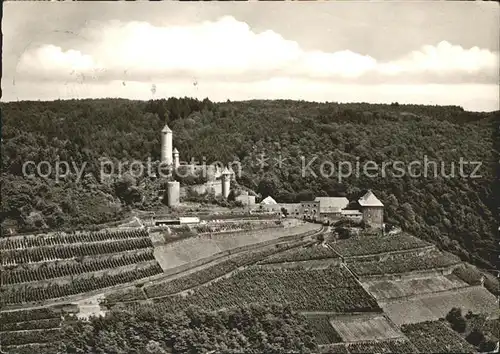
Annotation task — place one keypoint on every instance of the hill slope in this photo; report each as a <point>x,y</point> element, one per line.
<point>456,213</point>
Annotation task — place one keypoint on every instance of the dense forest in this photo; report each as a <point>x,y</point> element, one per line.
<point>458,214</point>
<point>246,330</point>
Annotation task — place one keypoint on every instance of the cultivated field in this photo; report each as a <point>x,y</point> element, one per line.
<point>333,289</point>
<point>403,263</point>
<point>322,329</point>
<point>189,250</point>
<point>431,307</point>
<point>385,290</point>
<point>306,253</point>
<point>199,277</point>
<point>374,245</point>
<point>436,337</point>
<point>400,346</point>
<point>357,328</point>
<point>43,267</point>
<point>27,330</point>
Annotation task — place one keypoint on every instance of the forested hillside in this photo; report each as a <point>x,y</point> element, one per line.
<point>459,214</point>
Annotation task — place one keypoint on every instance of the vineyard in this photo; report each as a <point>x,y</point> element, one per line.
<point>22,328</point>
<point>403,263</point>
<point>129,294</point>
<point>31,293</point>
<point>32,348</point>
<point>48,253</point>
<point>30,325</point>
<point>33,336</point>
<point>436,337</point>
<point>331,289</point>
<point>367,327</point>
<point>385,289</point>
<point>323,330</point>
<point>235,226</point>
<point>372,245</point>
<point>61,269</point>
<point>310,252</point>
<point>21,242</point>
<point>28,315</point>
<point>387,346</point>
<point>200,277</point>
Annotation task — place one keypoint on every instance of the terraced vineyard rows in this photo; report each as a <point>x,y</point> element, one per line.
<point>30,325</point>
<point>372,245</point>
<point>28,315</point>
<point>10,243</point>
<point>32,348</point>
<point>323,330</point>
<point>436,337</point>
<point>129,294</point>
<point>33,336</point>
<point>402,263</point>
<point>55,270</point>
<point>48,253</point>
<point>235,226</point>
<point>200,277</point>
<point>331,289</point>
<point>21,329</point>
<point>369,347</point>
<point>32,293</point>
<point>302,254</point>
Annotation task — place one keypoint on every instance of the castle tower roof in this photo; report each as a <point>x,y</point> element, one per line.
<point>166,129</point>
<point>225,171</point>
<point>370,200</point>
<point>176,151</point>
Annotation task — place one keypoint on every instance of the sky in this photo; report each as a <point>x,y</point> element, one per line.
<point>444,53</point>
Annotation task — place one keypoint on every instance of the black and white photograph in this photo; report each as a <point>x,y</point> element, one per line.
<point>250,177</point>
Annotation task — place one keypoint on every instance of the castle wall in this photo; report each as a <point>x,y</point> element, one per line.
<point>173,193</point>
<point>216,186</point>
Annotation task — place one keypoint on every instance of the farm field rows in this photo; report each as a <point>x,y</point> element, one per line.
<point>431,307</point>
<point>196,278</point>
<point>403,263</point>
<point>42,240</point>
<point>50,270</point>
<point>322,329</point>
<point>372,245</point>
<point>25,331</point>
<point>43,267</point>
<point>235,226</point>
<point>387,346</point>
<point>192,249</point>
<point>48,253</point>
<point>385,289</point>
<point>331,289</point>
<point>28,293</point>
<point>436,337</point>
<point>32,348</point>
<point>310,252</point>
<point>364,328</point>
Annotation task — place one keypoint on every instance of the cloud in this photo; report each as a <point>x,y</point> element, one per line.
<point>228,49</point>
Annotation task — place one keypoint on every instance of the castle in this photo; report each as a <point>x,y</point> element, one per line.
<point>328,210</point>
<point>218,178</point>
<point>323,209</point>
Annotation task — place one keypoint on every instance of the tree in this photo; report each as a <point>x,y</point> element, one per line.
<point>475,337</point>
<point>456,320</point>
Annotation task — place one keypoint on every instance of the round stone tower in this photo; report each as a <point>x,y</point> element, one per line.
<point>176,158</point>
<point>173,193</point>
<point>226,182</point>
<point>166,145</point>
